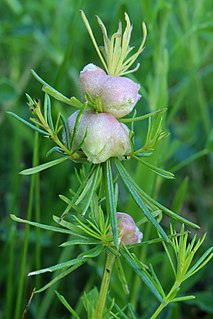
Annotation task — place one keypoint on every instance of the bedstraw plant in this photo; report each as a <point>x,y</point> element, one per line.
<point>102,141</point>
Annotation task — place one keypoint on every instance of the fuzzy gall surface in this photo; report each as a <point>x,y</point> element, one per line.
<point>105,137</point>
<point>118,95</point>
<point>91,80</point>
<point>129,232</point>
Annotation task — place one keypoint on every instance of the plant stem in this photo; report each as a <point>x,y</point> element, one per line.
<point>99,312</point>
<point>158,311</point>
<point>171,295</point>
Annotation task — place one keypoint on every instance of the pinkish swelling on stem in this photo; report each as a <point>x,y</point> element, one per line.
<point>103,135</point>
<point>91,79</point>
<point>118,95</point>
<point>129,233</point>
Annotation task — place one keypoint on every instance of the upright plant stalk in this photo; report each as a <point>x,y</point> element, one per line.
<point>26,238</point>
<point>163,305</point>
<point>158,311</point>
<point>110,258</point>
<point>37,208</point>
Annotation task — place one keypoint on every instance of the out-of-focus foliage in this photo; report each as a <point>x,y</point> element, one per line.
<point>176,72</point>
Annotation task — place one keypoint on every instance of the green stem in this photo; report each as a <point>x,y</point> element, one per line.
<point>43,123</point>
<point>158,311</point>
<point>99,312</point>
<point>169,298</point>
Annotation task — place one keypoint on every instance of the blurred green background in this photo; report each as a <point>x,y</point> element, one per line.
<point>176,72</point>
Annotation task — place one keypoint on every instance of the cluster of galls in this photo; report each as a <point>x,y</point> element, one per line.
<point>108,96</point>
<point>102,134</point>
<point>112,97</point>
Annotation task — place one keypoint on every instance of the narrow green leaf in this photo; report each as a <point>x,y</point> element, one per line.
<point>142,274</point>
<point>75,229</point>
<point>81,192</point>
<point>54,149</point>
<point>143,117</point>
<point>93,39</point>
<point>121,275</point>
<point>153,241</point>
<point>67,305</point>
<point>77,123</point>
<point>113,250</point>
<point>46,102</point>
<point>110,200</point>
<point>35,128</point>
<point>66,131</point>
<point>89,300</point>
<point>119,311</point>
<point>67,201</point>
<point>78,227</point>
<point>128,181</point>
<point>85,187</point>
<point>81,143</point>
<point>144,220</point>
<point>160,288</point>
<point>76,103</point>
<point>80,241</point>
<point>71,226</point>
<point>203,260</point>
<point>38,78</point>
<point>89,230</point>
<point>56,94</point>
<point>157,204</point>
<point>49,115</point>
<point>170,258</point>
<point>92,189</point>
<point>184,298</point>
<point>85,256</point>
<point>159,171</point>
<point>60,276</point>
<point>42,167</point>
<point>42,226</point>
